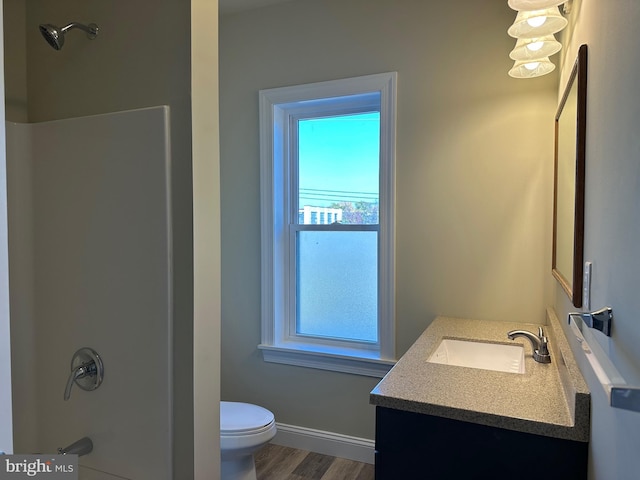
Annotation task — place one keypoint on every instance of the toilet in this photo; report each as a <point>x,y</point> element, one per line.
<point>244,428</point>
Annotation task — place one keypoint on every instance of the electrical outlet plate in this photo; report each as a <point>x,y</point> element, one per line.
<point>586,286</point>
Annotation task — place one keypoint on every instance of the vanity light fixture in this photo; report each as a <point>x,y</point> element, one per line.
<point>534,4</point>
<point>531,68</point>
<point>537,23</point>
<point>534,48</point>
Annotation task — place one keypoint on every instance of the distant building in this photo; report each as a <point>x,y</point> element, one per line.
<point>310,215</point>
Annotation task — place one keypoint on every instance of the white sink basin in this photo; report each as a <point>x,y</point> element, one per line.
<point>482,355</point>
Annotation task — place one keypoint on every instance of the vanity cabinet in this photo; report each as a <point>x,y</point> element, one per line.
<point>438,421</point>
<point>417,446</point>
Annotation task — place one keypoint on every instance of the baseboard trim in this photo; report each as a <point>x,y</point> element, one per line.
<point>326,443</point>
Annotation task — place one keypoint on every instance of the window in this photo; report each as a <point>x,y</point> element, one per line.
<point>327,191</point>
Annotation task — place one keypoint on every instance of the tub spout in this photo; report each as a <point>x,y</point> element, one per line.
<point>80,448</point>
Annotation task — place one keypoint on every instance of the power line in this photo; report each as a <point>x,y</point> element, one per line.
<point>344,197</point>
<point>335,191</point>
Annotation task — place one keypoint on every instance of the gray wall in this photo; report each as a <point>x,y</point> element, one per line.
<point>15,60</point>
<point>474,178</point>
<point>141,58</point>
<point>612,229</point>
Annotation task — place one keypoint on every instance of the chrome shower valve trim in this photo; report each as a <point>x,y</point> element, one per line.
<point>87,371</point>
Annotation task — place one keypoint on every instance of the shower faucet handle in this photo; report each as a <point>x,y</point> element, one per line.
<point>87,371</point>
<point>81,371</point>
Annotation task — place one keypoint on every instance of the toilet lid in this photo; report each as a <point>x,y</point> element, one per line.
<point>243,417</point>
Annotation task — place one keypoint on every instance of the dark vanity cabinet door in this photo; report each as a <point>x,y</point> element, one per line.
<point>412,446</point>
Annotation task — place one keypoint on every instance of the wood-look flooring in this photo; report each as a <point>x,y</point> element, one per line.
<point>275,462</point>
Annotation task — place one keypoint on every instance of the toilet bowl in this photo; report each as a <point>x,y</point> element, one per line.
<point>244,428</point>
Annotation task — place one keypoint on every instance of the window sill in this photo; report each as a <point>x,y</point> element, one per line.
<point>343,360</point>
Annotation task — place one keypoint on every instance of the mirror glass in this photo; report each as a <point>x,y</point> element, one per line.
<point>568,219</point>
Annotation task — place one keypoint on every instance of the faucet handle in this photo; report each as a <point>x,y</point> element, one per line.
<point>543,350</point>
<point>541,335</point>
<point>79,372</point>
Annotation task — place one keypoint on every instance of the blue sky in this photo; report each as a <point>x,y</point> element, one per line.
<point>339,154</point>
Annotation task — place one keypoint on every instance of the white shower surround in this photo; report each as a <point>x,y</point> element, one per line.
<point>91,222</point>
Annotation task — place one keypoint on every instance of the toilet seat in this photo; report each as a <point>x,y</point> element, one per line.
<point>240,419</point>
<point>244,428</point>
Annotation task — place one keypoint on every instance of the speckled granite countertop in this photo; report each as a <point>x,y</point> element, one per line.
<point>549,399</point>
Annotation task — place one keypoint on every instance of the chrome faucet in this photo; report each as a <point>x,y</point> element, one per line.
<point>538,342</point>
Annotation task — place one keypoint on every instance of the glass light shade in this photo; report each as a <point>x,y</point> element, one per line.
<point>531,68</point>
<point>521,5</point>
<point>537,23</point>
<point>534,48</point>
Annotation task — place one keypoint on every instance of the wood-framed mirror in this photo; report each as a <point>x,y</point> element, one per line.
<point>568,196</point>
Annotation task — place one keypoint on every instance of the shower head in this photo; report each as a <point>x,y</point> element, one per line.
<point>55,36</point>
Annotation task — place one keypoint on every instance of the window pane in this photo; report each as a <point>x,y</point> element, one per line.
<point>338,168</point>
<point>337,288</point>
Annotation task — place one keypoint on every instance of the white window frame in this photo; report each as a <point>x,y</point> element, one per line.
<point>279,107</point>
